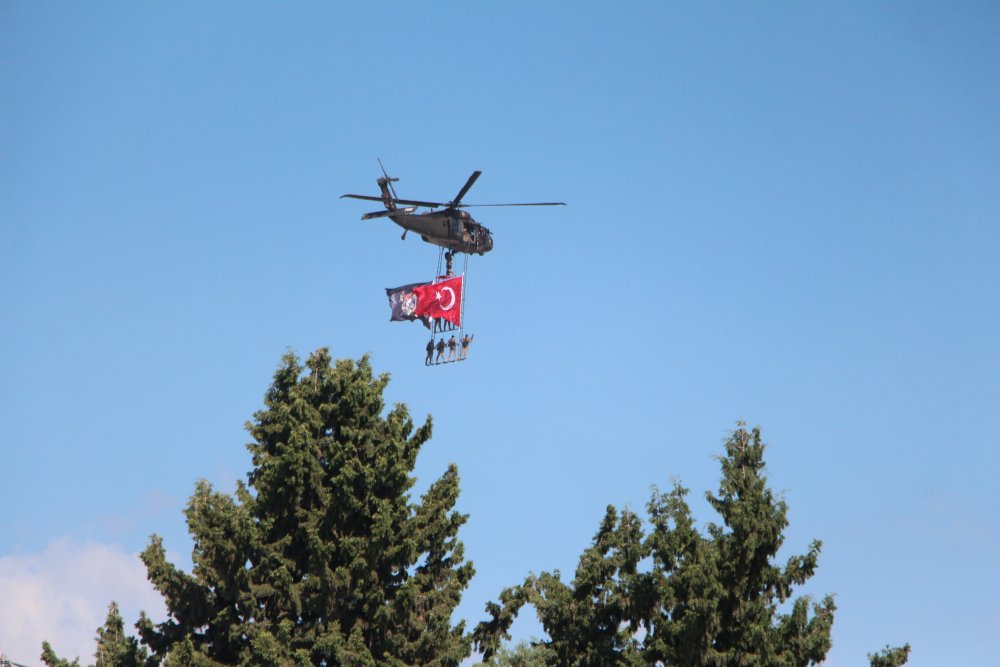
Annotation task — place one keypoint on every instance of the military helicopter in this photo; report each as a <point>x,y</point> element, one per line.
<point>450,228</point>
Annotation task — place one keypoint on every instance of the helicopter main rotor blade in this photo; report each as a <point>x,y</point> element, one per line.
<point>465,188</point>
<point>425,204</point>
<point>407,202</point>
<point>542,203</point>
<point>365,197</point>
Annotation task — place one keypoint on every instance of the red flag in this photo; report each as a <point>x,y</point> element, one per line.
<point>443,300</point>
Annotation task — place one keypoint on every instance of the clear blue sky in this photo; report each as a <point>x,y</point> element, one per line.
<point>783,213</point>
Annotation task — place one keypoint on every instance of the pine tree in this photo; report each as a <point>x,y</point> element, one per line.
<point>114,647</point>
<point>706,599</point>
<point>750,629</point>
<point>890,657</point>
<point>592,622</point>
<point>322,558</point>
<point>525,654</point>
<point>50,658</point>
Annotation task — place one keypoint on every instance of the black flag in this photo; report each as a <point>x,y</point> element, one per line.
<point>403,302</point>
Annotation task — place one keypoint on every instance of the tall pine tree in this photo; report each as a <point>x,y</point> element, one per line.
<point>712,599</point>
<point>322,558</point>
<point>114,647</point>
<point>749,628</point>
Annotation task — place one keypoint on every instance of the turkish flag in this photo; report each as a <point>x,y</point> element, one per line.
<point>443,300</point>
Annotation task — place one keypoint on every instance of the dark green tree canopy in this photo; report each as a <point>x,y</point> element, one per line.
<point>322,558</point>
<point>890,657</point>
<point>534,654</point>
<point>114,647</point>
<point>675,595</point>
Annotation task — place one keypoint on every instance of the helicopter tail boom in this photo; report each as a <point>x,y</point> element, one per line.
<point>387,213</point>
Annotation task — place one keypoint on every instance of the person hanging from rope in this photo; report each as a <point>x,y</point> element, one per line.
<point>430,352</point>
<point>440,351</point>
<point>464,352</point>
<point>452,344</point>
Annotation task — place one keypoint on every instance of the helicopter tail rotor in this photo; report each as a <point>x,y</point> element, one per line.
<point>385,185</point>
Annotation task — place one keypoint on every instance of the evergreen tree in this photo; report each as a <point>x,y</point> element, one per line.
<point>592,622</point>
<point>50,658</point>
<point>712,599</point>
<point>114,647</point>
<point>525,654</point>
<point>750,630</point>
<point>890,657</point>
<point>322,558</point>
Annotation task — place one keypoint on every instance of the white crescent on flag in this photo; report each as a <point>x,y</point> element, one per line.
<point>451,292</point>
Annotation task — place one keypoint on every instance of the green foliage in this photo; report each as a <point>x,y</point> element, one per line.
<point>323,558</point>
<point>50,658</point>
<point>114,647</point>
<point>704,599</point>
<point>535,654</point>
<point>890,657</point>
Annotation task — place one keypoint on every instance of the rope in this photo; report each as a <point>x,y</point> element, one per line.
<point>465,277</point>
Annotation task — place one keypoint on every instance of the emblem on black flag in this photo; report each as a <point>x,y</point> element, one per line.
<point>403,302</point>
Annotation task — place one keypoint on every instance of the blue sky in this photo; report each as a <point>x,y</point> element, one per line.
<point>782,213</point>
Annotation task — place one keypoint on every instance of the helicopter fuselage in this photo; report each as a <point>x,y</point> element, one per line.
<point>450,228</point>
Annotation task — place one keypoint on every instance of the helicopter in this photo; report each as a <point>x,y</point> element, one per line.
<point>450,228</point>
